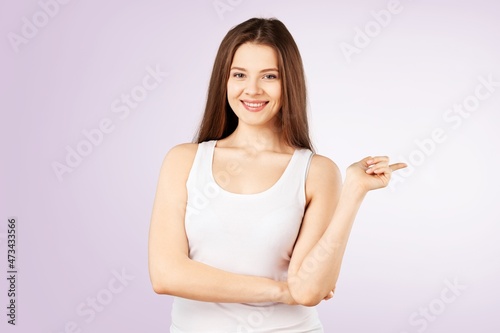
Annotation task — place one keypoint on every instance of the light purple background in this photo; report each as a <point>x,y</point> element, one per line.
<point>439,222</point>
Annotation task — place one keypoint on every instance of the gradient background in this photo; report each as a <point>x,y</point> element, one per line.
<point>438,222</point>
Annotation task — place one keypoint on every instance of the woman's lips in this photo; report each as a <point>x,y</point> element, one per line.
<point>254,106</point>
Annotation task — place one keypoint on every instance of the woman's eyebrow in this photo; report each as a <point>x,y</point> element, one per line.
<point>262,71</point>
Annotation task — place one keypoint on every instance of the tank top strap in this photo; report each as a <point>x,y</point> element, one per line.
<point>302,161</point>
<point>296,174</point>
<point>200,170</point>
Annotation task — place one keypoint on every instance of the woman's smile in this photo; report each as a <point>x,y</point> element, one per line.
<point>254,106</point>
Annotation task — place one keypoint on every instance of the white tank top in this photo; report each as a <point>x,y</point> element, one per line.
<point>251,234</point>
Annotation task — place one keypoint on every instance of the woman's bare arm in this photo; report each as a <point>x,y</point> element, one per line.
<point>317,257</point>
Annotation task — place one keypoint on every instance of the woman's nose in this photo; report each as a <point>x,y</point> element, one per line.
<point>253,87</point>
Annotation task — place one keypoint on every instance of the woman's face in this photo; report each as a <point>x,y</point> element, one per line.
<point>254,85</point>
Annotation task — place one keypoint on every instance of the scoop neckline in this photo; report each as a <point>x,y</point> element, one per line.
<point>275,185</point>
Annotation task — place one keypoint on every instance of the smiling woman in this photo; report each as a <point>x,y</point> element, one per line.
<point>241,214</point>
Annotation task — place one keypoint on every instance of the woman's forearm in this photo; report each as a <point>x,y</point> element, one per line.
<point>194,280</point>
<point>319,271</point>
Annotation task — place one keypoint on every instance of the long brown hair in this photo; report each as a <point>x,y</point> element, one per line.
<point>219,120</point>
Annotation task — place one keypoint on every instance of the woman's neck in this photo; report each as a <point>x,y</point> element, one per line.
<point>257,139</point>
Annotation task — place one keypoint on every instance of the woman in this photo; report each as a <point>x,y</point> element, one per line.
<point>249,226</point>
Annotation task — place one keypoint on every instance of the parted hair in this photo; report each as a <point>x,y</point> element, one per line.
<point>219,120</point>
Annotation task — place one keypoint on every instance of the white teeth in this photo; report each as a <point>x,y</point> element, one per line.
<point>254,105</point>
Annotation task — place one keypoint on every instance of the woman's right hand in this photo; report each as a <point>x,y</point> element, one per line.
<point>284,294</point>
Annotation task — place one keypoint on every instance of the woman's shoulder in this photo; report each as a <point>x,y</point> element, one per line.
<point>181,156</point>
<point>183,149</point>
<point>321,163</point>
<point>323,170</point>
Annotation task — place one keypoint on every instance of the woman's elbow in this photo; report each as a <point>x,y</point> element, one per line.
<point>157,284</point>
<point>161,283</point>
<point>308,294</point>
<point>159,288</point>
<point>306,297</point>
<point>167,276</point>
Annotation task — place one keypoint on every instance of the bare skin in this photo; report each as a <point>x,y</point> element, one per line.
<point>254,156</point>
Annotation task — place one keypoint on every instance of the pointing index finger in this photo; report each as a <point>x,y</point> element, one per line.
<point>397,166</point>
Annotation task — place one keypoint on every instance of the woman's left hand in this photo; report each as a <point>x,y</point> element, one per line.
<point>372,172</point>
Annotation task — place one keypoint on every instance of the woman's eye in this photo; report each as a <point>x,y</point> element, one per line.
<point>270,76</point>
<point>239,75</point>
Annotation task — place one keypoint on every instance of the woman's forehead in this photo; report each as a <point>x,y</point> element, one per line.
<point>251,56</point>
